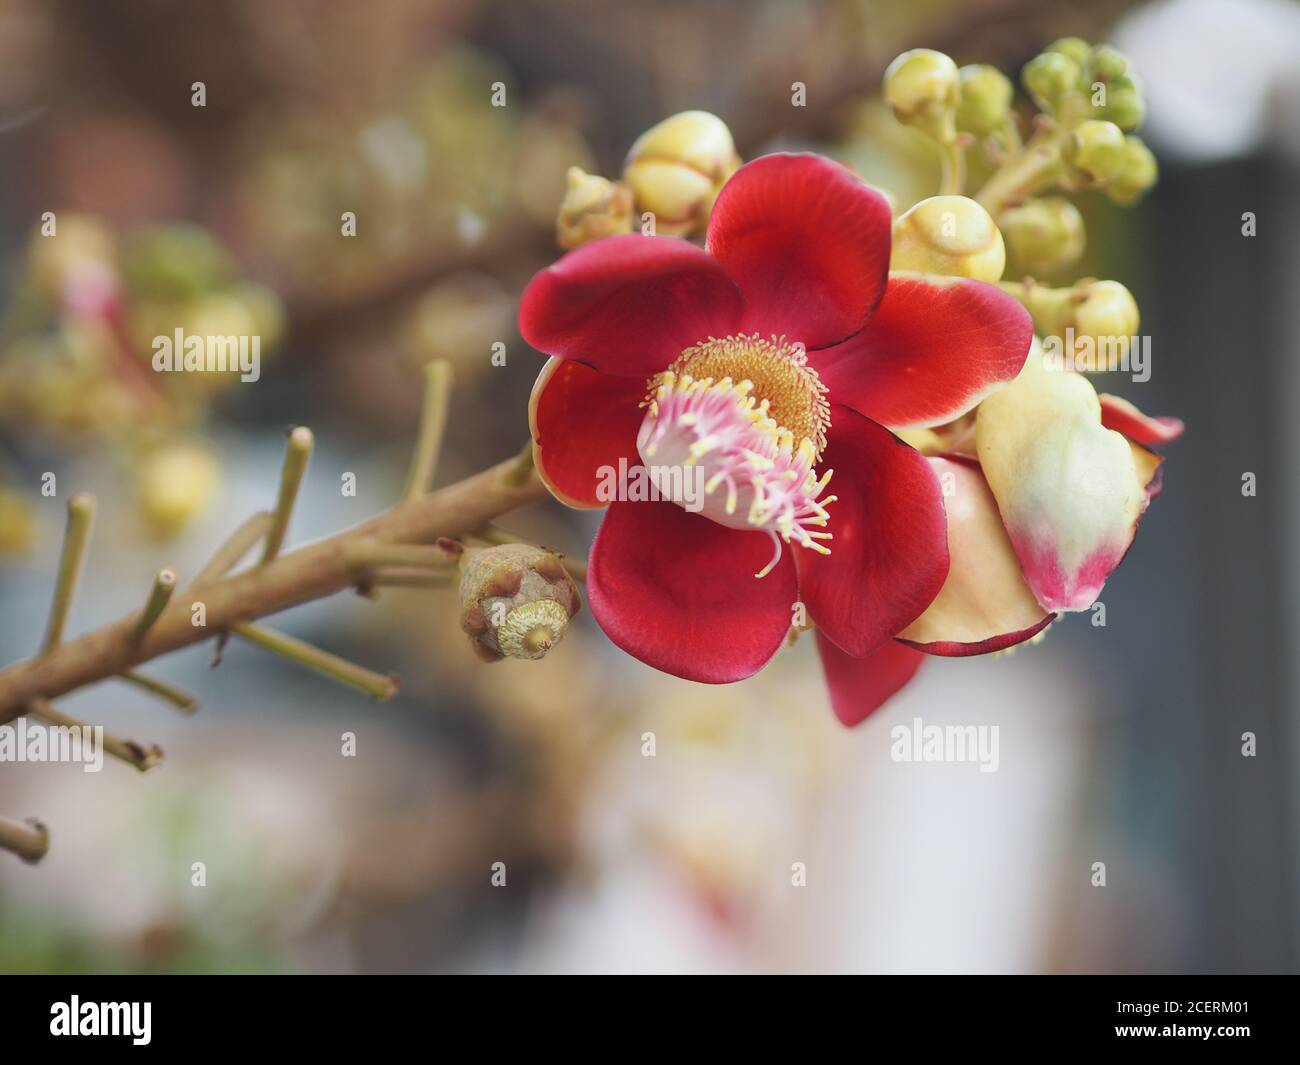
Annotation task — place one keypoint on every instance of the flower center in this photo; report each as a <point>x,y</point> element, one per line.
<point>734,429</point>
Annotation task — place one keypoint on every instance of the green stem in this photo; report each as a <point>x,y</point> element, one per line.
<point>1034,168</point>
<point>132,753</point>
<point>29,839</point>
<point>374,684</point>
<point>159,595</point>
<point>433,427</point>
<point>76,535</point>
<point>296,453</point>
<point>183,701</point>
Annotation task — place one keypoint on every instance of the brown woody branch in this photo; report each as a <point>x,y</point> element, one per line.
<point>311,572</point>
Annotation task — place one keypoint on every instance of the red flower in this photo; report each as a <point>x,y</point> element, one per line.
<point>780,352</point>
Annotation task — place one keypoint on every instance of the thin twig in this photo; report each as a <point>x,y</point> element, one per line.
<point>311,572</point>
<point>29,839</point>
<point>76,535</point>
<point>236,546</point>
<point>182,700</point>
<point>133,754</point>
<point>433,427</point>
<point>159,595</point>
<point>296,453</point>
<point>373,684</point>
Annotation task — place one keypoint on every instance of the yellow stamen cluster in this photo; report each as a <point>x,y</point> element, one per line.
<point>788,389</point>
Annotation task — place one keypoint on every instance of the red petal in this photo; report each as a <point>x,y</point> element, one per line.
<point>889,555</point>
<point>678,591</point>
<point>582,420</point>
<point>860,685</point>
<point>934,349</point>
<point>808,244</point>
<point>629,305</point>
<point>1122,416</point>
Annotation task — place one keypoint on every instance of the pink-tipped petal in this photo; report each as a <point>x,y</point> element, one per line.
<point>582,422</point>
<point>889,552</point>
<point>985,604</point>
<point>859,686</point>
<point>934,349</point>
<point>1119,414</point>
<point>1068,488</point>
<point>629,305</point>
<point>678,591</point>
<point>808,244</point>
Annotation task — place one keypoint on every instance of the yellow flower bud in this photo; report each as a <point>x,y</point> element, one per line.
<point>1138,174</point>
<point>515,600</point>
<point>922,87</point>
<point>1100,316</point>
<point>676,169</point>
<point>1044,236</point>
<point>174,484</point>
<point>951,235</point>
<point>985,99</point>
<point>1105,309</point>
<point>1108,63</point>
<point>593,207</point>
<point>1096,151</point>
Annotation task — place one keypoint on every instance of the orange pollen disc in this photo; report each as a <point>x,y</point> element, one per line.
<point>787,389</point>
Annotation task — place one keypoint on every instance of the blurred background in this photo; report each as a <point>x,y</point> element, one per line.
<point>1119,744</point>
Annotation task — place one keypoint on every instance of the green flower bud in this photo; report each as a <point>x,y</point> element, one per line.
<point>950,235</point>
<point>1045,236</point>
<point>1096,151</point>
<point>922,87</point>
<point>1073,48</point>
<point>1138,173</point>
<point>1124,106</point>
<point>1050,78</point>
<point>985,99</point>
<point>1108,63</point>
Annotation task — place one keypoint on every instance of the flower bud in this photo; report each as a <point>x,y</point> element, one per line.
<point>1124,106</point>
<point>951,235</point>
<point>1073,48</point>
<point>1105,309</point>
<point>1101,316</point>
<point>1044,236</point>
<point>1137,175</point>
<point>922,87</point>
<point>676,169</point>
<point>515,600</point>
<point>985,99</point>
<point>1108,63</point>
<point>1096,151</point>
<point>1050,78</point>
<point>593,207</point>
<point>173,485</point>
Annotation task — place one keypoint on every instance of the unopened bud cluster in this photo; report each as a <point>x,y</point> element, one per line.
<point>515,600</point>
<point>673,173</point>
